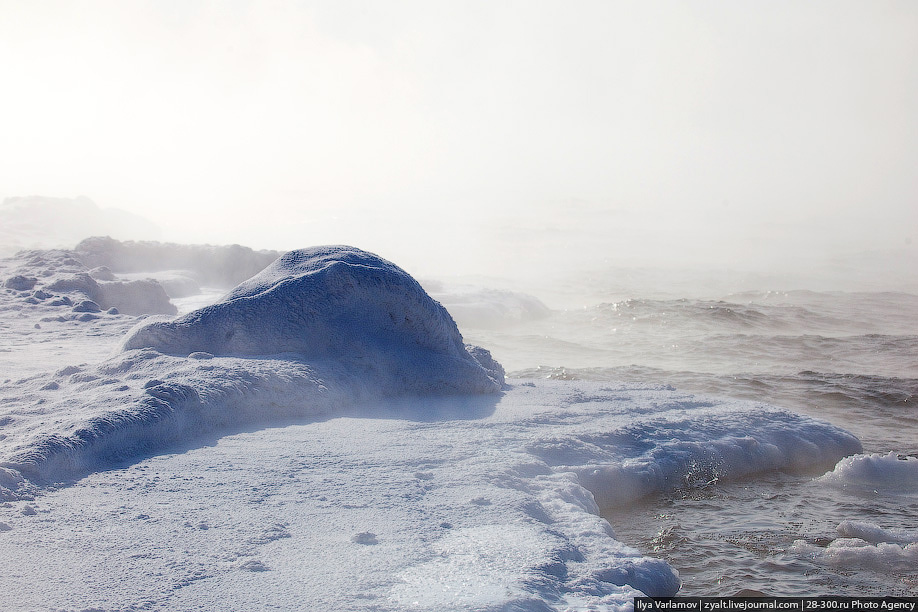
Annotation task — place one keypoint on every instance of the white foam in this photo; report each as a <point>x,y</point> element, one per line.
<point>858,553</point>
<point>892,472</point>
<point>875,534</point>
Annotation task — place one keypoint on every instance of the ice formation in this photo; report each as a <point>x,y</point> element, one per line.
<point>319,328</point>
<point>862,544</point>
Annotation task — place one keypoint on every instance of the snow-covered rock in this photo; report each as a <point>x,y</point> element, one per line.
<point>337,303</point>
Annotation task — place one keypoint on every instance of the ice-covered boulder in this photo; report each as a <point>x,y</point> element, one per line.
<point>20,283</point>
<point>131,297</point>
<point>334,303</point>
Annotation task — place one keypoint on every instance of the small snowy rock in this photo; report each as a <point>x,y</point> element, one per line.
<point>364,537</point>
<point>20,283</point>
<point>102,273</point>
<point>253,565</point>
<point>87,306</point>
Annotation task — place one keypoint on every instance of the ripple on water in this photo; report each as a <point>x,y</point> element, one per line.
<point>742,535</point>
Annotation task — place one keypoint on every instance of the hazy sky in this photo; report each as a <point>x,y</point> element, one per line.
<point>665,131</point>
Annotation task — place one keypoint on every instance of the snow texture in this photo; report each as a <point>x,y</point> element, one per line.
<point>401,474</point>
<point>334,303</point>
<point>319,328</point>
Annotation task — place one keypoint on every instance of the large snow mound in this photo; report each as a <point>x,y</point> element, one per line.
<point>317,331</point>
<point>332,302</point>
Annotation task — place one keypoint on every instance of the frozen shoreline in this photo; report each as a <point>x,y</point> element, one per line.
<point>451,502</point>
<point>418,501</point>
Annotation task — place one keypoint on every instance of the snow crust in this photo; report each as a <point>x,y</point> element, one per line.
<point>444,503</point>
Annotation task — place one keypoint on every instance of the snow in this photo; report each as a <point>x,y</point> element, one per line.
<point>342,450</point>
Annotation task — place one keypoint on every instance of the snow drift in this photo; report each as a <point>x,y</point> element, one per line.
<point>319,329</point>
<point>333,302</point>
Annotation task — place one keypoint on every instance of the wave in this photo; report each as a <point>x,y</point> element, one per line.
<point>852,389</point>
<point>876,408</point>
<point>829,314</point>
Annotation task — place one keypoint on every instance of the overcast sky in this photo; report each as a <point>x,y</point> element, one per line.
<point>665,131</point>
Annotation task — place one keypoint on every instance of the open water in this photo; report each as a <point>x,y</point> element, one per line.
<point>848,358</point>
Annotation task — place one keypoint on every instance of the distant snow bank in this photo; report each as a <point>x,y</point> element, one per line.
<point>218,266</point>
<point>57,278</point>
<point>40,222</point>
<point>486,308</point>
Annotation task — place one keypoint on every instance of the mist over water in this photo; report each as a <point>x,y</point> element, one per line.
<point>845,357</point>
<point>521,140</point>
<point>719,197</point>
